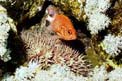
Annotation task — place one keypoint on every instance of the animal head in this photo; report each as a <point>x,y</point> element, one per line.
<point>61,24</point>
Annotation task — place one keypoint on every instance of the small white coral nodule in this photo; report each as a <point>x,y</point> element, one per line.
<point>112,44</point>
<point>98,22</point>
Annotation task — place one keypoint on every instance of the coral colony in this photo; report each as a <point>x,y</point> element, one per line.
<point>4,29</point>
<point>95,10</point>
<point>97,22</point>
<point>112,44</point>
<point>51,46</point>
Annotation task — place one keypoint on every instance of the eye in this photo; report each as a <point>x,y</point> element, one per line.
<point>69,32</point>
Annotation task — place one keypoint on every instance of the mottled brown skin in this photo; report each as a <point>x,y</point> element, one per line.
<point>62,25</point>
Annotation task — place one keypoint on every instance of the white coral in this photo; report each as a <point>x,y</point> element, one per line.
<point>96,6</point>
<point>95,9</point>
<point>99,74</point>
<point>103,5</point>
<point>115,75</point>
<point>4,29</point>
<point>58,73</point>
<point>90,7</point>
<point>112,44</point>
<point>33,72</point>
<point>8,77</point>
<point>98,22</point>
<point>27,73</point>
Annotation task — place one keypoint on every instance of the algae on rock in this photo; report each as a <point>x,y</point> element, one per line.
<point>72,7</point>
<point>33,6</point>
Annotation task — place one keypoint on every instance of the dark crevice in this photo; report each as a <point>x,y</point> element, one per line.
<point>113,3</point>
<point>118,58</point>
<point>75,44</point>
<point>18,55</point>
<point>80,26</point>
<point>28,22</point>
<point>102,34</point>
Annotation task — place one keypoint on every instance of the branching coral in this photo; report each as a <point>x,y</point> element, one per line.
<point>6,24</point>
<point>52,51</point>
<point>4,29</point>
<point>115,75</point>
<point>101,74</point>
<point>98,74</point>
<point>59,73</point>
<point>98,22</point>
<point>95,10</point>
<point>32,72</point>
<point>112,44</point>
<point>27,73</point>
<point>24,73</point>
<point>96,6</point>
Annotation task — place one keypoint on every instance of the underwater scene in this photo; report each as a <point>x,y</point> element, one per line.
<point>60,40</point>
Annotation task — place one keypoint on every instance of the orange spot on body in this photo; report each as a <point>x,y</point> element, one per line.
<point>63,26</point>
